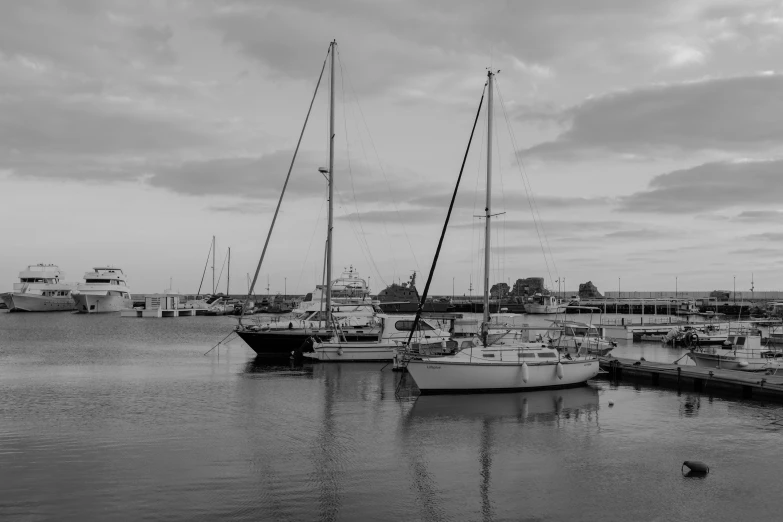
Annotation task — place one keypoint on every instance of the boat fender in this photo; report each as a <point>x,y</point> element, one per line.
<point>695,467</point>
<point>559,370</point>
<point>339,351</point>
<point>525,372</point>
<point>742,364</point>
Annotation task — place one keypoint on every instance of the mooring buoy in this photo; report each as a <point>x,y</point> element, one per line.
<point>695,468</point>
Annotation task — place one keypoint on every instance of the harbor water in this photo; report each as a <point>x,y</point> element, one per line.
<point>109,418</point>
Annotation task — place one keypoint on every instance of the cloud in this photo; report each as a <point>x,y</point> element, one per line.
<point>710,187</point>
<point>729,114</point>
<point>760,216</point>
<point>775,237</point>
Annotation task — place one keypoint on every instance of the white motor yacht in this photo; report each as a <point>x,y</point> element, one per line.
<point>544,304</point>
<point>104,290</point>
<point>40,289</point>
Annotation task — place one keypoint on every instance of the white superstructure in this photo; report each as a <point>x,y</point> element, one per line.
<point>544,304</point>
<point>40,289</point>
<point>105,289</point>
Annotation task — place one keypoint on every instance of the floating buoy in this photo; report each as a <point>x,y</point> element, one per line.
<point>559,370</point>
<point>525,372</point>
<point>695,468</point>
<point>339,351</point>
<point>611,403</point>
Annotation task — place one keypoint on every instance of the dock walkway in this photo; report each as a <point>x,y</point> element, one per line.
<point>748,385</point>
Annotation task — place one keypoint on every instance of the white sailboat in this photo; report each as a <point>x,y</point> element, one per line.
<point>505,359</point>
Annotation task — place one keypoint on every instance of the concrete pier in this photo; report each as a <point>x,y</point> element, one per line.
<point>748,385</point>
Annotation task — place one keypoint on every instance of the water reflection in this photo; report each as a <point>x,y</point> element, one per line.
<point>441,429</point>
<point>265,366</point>
<point>537,405</point>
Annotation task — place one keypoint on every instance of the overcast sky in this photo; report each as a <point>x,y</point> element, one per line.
<point>650,133</point>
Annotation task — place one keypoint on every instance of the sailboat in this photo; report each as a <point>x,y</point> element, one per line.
<point>503,359</point>
<point>296,335</point>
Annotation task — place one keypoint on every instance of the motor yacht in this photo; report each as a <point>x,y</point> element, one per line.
<point>105,289</point>
<point>40,289</point>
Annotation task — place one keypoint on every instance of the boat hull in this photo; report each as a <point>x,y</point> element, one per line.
<point>19,302</point>
<point>531,308</point>
<point>411,308</point>
<point>731,362</point>
<point>442,376</point>
<point>280,343</point>
<point>353,352</point>
<point>95,303</point>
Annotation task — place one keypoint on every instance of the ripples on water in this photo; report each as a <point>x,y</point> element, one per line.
<point>109,418</point>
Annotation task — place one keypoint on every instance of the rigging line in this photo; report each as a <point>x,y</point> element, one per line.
<point>530,197</point>
<point>287,178</point>
<point>367,163</point>
<point>383,171</point>
<point>217,285</point>
<point>529,184</point>
<point>205,270</point>
<point>423,298</point>
<point>502,258</point>
<point>362,248</point>
<point>310,245</point>
<point>363,236</point>
<point>475,218</point>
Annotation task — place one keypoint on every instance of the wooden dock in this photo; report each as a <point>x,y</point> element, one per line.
<point>748,385</point>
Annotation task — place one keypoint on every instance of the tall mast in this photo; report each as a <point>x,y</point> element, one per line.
<point>488,209</point>
<point>214,290</point>
<point>331,190</point>
<point>228,275</point>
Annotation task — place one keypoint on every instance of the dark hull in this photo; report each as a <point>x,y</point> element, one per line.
<point>276,344</point>
<point>410,308</point>
<point>477,308</point>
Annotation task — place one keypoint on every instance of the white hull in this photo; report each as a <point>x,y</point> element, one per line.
<point>731,362</point>
<point>439,375</point>
<point>92,303</point>
<point>18,302</point>
<point>353,352</point>
<point>531,308</point>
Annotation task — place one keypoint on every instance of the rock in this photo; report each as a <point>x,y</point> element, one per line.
<point>529,286</point>
<point>588,290</point>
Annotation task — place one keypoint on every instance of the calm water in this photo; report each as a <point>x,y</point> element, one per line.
<point>109,418</point>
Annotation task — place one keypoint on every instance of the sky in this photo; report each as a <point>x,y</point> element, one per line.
<point>637,143</point>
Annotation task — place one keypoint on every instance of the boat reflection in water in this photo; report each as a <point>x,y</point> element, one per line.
<point>262,365</point>
<point>521,405</point>
<point>506,439</point>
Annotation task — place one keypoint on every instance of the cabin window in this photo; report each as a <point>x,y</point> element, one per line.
<point>96,280</point>
<point>522,354</point>
<point>407,326</point>
<point>547,355</point>
<point>740,341</point>
<point>489,355</point>
<point>308,297</point>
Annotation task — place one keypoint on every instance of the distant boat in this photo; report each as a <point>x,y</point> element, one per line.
<point>740,351</point>
<point>404,298</point>
<point>105,289</point>
<point>504,359</point>
<point>40,289</point>
<point>544,304</point>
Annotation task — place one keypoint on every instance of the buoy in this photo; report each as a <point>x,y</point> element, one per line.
<point>611,403</point>
<point>339,351</point>
<point>525,372</point>
<point>695,467</point>
<point>559,370</point>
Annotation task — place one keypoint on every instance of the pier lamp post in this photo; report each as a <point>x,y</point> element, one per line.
<point>285,288</point>
<point>735,290</point>
<point>452,288</point>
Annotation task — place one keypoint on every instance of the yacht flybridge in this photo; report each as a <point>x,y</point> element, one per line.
<point>503,359</point>
<point>105,289</point>
<point>40,289</point>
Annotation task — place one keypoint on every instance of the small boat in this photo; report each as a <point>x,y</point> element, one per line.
<point>394,331</point>
<point>544,304</point>
<point>40,289</point>
<point>696,335</point>
<point>504,359</point>
<point>575,334</point>
<point>739,352</point>
<point>105,289</point>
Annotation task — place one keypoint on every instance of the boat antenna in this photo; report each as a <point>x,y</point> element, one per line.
<point>282,193</point>
<point>423,297</point>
